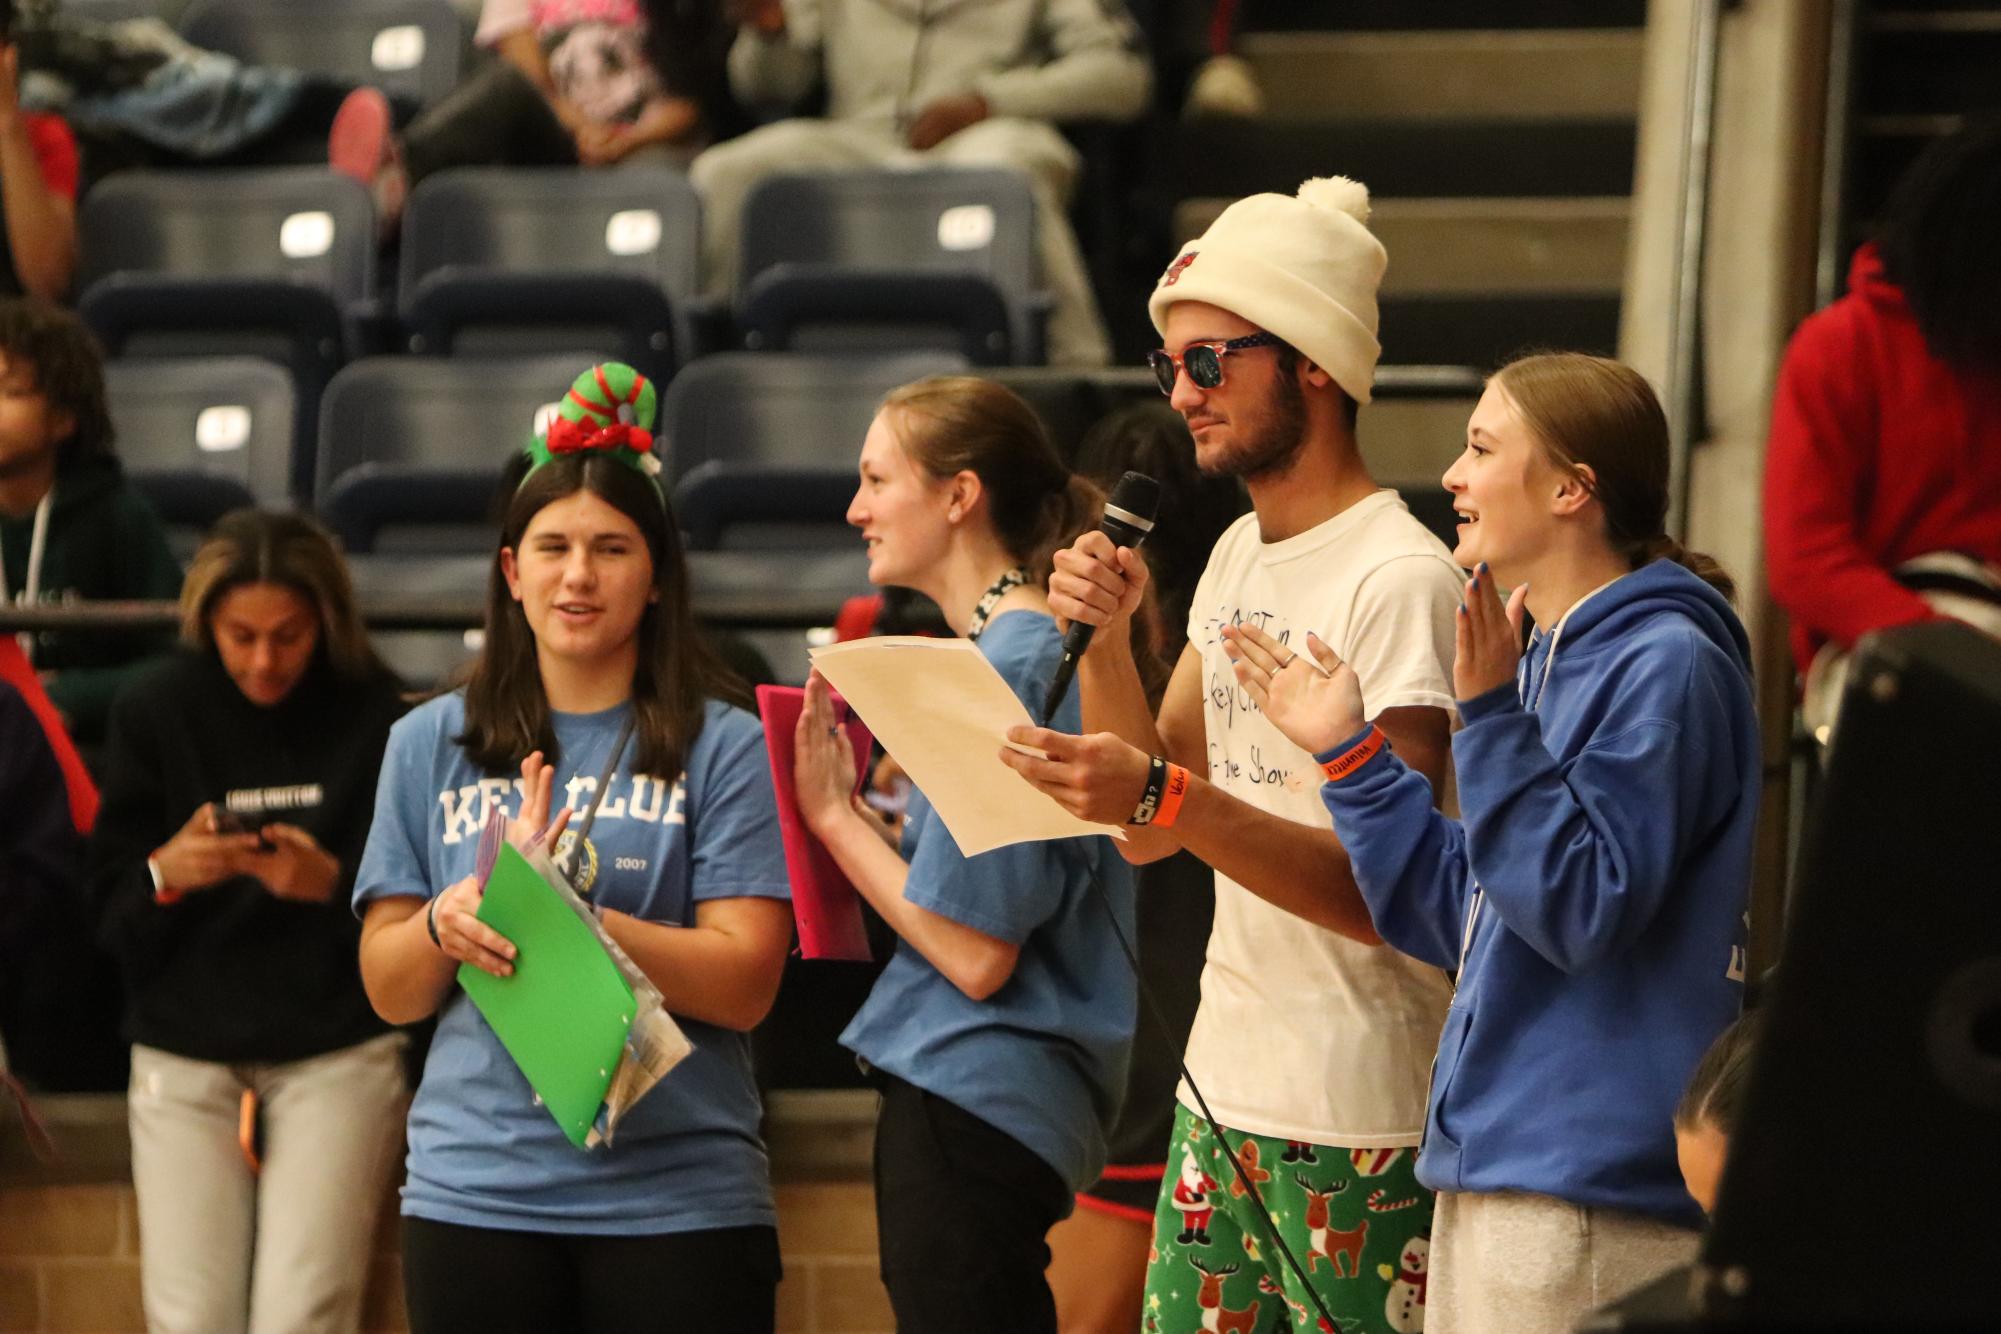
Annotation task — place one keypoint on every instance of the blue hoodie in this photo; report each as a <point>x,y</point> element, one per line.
<point>1592,898</point>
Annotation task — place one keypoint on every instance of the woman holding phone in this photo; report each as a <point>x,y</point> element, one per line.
<point>265,1092</point>
<point>592,664</point>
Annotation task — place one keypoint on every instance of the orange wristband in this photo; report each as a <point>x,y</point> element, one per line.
<point>1171,793</point>
<point>1354,757</point>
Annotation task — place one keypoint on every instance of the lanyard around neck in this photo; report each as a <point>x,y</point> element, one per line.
<point>990,599</point>
<point>31,587</point>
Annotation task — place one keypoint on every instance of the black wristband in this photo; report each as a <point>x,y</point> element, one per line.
<point>1149,800</point>
<point>431,923</point>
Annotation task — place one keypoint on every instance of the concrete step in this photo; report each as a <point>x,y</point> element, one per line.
<point>1444,246</point>
<point>1490,75</point>
<point>1931,70</point>
<point>1399,158</point>
<point>1350,15</point>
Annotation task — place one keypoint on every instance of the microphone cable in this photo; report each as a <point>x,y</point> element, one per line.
<point>1152,1008</point>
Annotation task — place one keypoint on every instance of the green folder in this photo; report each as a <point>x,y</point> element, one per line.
<point>564,1013</point>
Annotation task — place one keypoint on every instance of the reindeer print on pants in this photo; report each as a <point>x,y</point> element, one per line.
<point>1350,1216</point>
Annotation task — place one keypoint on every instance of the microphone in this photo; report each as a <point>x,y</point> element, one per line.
<point>1128,519</point>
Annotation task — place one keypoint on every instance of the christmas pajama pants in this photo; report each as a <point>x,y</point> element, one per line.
<point>1355,1219</point>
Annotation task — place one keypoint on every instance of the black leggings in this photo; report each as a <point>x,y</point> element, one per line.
<point>962,1209</point>
<point>472,1280</point>
<point>494,119</point>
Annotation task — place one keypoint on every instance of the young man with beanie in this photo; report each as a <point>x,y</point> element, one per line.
<point>1313,1038</point>
<point>70,526</point>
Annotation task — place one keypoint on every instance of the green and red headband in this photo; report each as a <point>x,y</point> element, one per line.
<point>608,410</point>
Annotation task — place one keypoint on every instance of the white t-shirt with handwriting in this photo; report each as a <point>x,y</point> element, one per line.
<point>1303,1033</point>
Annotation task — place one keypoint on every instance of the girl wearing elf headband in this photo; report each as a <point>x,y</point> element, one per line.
<point>999,1030</point>
<point>1591,898</point>
<point>592,663</point>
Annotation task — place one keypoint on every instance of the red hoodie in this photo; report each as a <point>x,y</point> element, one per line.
<point>1879,452</point>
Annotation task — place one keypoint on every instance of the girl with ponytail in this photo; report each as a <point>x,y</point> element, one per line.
<point>998,1033</point>
<point>1591,898</point>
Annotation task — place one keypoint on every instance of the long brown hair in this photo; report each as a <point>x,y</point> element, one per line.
<point>250,546</point>
<point>507,712</point>
<point>1601,414</point>
<point>950,424</point>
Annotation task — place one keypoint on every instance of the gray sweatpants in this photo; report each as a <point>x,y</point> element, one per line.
<point>1512,1263</point>
<point>723,176</point>
<point>223,1251</point>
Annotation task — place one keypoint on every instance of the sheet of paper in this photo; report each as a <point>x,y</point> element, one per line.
<point>942,712</point>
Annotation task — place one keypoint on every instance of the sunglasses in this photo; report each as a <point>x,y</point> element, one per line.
<point>1202,361</point>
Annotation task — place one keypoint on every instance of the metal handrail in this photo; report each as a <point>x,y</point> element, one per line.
<point>1684,375</point>
<point>1843,23</point>
<point>778,609</point>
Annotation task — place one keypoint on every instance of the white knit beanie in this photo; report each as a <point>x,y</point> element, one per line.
<point>1305,268</point>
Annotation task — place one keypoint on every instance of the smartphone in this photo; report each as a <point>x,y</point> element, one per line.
<point>229,822</point>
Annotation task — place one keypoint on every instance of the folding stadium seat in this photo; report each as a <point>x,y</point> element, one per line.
<point>887,260</point>
<point>272,263</point>
<point>761,448</point>
<point>201,436</point>
<point>516,260</point>
<point>412,448</point>
<point>411,454</point>
<point>408,47</point>
<point>1071,402</point>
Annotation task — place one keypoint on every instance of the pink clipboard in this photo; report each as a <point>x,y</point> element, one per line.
<point>825,905</point>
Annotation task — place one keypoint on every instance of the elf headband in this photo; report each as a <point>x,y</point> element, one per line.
<point>608,410</point>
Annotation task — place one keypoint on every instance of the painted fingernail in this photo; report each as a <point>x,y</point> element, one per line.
<point>1462,609</point>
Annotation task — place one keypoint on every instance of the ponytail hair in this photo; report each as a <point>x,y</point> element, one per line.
<point>949,424</point>
<point>1595,413</point>
<point>1703,566</point>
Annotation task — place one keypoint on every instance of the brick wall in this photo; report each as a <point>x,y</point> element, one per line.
<point>69,1249</point>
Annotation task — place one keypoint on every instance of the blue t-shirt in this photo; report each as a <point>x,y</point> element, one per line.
<point>1043,1058</point>
<point>482,1152</point>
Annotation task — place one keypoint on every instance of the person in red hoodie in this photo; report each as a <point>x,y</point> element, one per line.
<point>1885,446</point>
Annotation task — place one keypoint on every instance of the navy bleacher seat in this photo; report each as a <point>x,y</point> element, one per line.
<point>202,436</point>
<point>271,262</point>
<point>411,454</point>
<point>761,448</point>
<point>877,261</point>
<point>1071,402</point>
<point>411,448</point>
<point>517,260</point>
<point>406,47</point>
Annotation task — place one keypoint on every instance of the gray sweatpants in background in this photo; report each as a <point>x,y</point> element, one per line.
<point>226,1251</point>
<point>1511,1263</point>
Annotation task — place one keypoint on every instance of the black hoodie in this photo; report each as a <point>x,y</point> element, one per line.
<point>104,542</point>
<point>232,973</point>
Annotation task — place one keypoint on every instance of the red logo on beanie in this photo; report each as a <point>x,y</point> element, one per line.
<point>1173,274</point>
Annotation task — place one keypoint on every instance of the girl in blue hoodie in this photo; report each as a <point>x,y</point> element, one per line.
<point>1591,899</point>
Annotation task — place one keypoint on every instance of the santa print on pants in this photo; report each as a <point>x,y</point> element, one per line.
<point>1191,1197</point>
